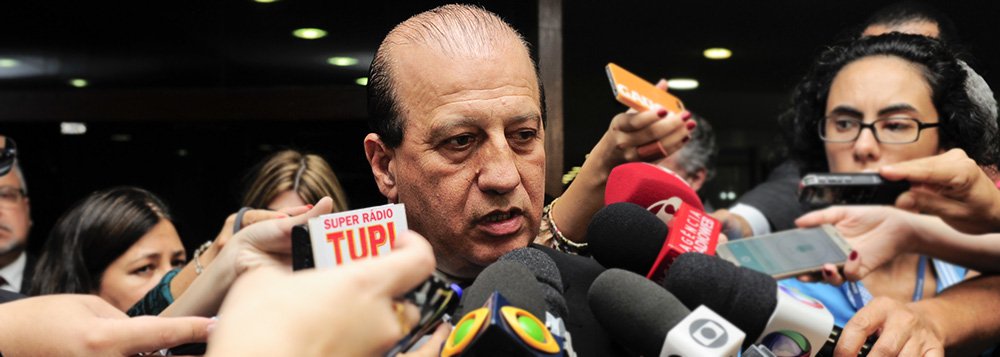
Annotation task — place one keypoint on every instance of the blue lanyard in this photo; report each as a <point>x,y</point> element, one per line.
<point>858,296</point>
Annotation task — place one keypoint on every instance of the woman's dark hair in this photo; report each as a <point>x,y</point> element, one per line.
<point>91,235</point>
<point>963,125</point>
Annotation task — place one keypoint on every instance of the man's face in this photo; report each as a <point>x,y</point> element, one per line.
<point>14,211</point>
<point>471,165</point>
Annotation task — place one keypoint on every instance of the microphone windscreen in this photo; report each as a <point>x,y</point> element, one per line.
<point>634,310</point>
<point>744,297</point>
<point>650,186</point>
<point>548,276</point>
<point>512,280</point>
<point>626,236</point>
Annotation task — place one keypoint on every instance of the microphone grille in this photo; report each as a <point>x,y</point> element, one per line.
<point>547,273</point>
<point>634,310</point>
<point>626,236</point>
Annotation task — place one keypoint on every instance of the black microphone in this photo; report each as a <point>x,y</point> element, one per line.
<point>547,274</point>
<point>625,235</point>
<point>513,280</point>
<point>550,280</point>
<point>780,319</point>
<point>650,321</point>
<point>500,316</point>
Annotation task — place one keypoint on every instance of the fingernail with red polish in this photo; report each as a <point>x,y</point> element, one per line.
<point>691,125</point>
<point>309,206</point>
<point>854,255</point>
<point>686,139</point>
<point>661,113</point>
<point>686,116</point>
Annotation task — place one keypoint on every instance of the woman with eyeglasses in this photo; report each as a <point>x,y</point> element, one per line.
<point>878,101</point>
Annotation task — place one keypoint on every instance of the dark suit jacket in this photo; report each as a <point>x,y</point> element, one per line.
<point>29,273</point>
<point>578,273</point>
<point>778,197</point>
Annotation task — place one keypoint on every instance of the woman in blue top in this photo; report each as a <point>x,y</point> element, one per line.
<point>877,101</point>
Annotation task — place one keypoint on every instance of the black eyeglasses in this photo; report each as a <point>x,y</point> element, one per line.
<point>7,155</point>
<point>894,130</point>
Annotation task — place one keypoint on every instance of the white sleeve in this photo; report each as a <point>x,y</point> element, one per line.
<point>758,223</point>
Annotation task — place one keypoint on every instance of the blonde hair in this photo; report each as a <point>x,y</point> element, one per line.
<point>308,175</point>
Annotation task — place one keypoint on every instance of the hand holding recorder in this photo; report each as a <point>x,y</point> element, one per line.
<point>952,186</point>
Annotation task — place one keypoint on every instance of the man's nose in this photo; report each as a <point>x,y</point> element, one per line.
<point>497,171</point>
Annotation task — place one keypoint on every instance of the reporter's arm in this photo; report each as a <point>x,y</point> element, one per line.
<point>627,131</point>
<point>86,325</point>
<point>878,234</point>
<point>961,320</point>
<point>264,243</point>
<point>346,311</point>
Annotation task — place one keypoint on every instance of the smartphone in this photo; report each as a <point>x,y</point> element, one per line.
<point>824,189</point>
<point>637,93</point>
<point>788,253</point>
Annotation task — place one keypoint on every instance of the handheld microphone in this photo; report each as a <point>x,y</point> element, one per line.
<point>547,273</point>
<point>671,199</point>
<point>650,321</point>
<point>500,329</point>
<point>625,235</point>
<point>512,280</point>
<point>485,329</point>
<point>783,320</point>
<point>651,186</point>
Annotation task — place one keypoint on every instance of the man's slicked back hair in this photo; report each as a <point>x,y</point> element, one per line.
<point>455,30</point>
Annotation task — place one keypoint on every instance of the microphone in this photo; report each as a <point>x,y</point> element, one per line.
<point>547,273</point>
<point>550,280</point>
<point>625,235</point>
<point>651,322</point>
<point>500,316</point>
<point>783,320</point>
<point>512,280</point>
<point>650,186</point>
<point>671,199</point>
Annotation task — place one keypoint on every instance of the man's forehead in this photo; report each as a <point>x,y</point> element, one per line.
<point>427,78</point>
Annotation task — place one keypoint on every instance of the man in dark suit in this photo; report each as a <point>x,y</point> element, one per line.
<point>15,222</point>
<point>456,112</point>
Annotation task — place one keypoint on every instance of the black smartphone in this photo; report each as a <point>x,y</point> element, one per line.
<point>818,190</point>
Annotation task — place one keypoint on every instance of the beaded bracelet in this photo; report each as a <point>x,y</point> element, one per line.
<point>197,253</point>
<point>562,242</point>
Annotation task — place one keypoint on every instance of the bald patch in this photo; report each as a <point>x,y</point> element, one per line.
<point>455,30</point>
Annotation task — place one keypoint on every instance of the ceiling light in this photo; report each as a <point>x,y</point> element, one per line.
<point>363,81</point>
<point>8,62</point>
<point>72,128</point>
<point>265,1</point>
<point>682,84</point>
<point>309,33</point>
<point>718,53</point>
<point>342,61</point>
<point>78,82</point>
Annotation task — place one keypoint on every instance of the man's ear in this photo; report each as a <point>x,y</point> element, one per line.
<point>380,158</point>
<point>698,179</point>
